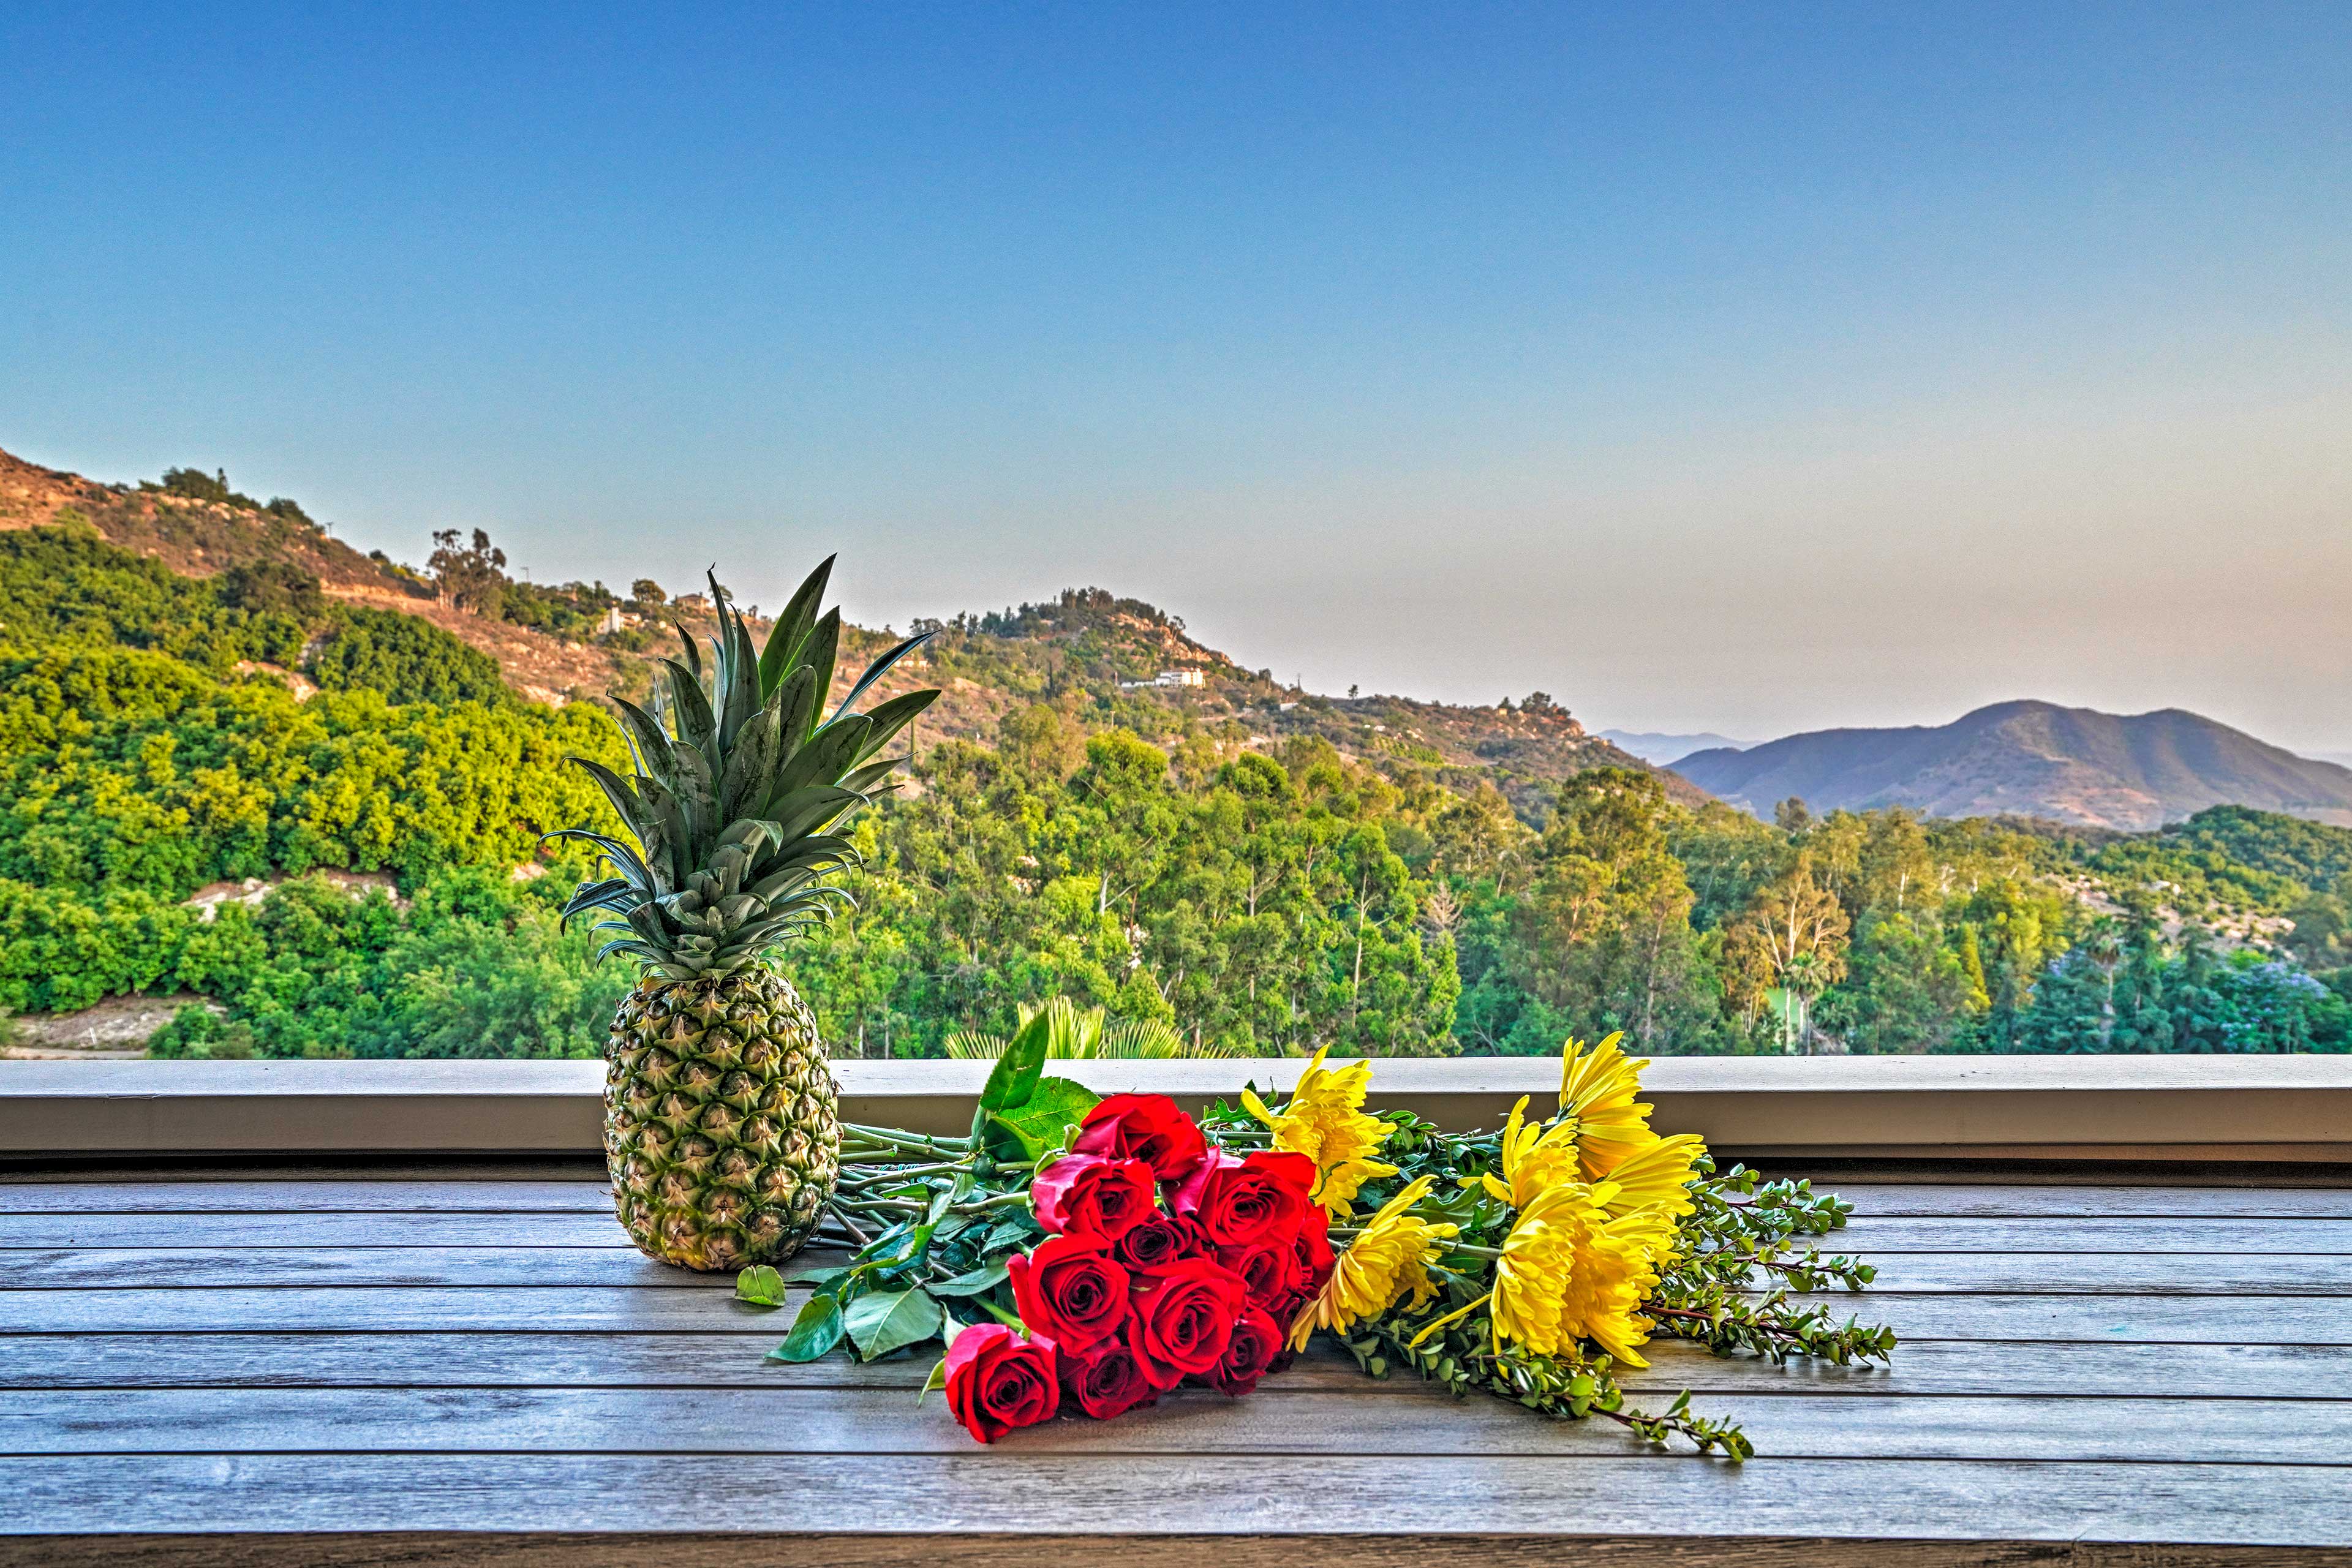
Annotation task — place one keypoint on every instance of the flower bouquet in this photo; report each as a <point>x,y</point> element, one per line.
<point>1088,1255</point>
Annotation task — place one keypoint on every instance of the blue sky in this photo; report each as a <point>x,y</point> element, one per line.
<point>1729,367</point>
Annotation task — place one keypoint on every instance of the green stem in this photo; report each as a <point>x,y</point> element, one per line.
<point>905,1173</point>
<point>892,1138</point>
<point>1002,1200</point>
<point>844,1202</point>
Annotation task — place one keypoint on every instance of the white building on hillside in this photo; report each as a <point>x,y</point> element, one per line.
<point>1169,677</point>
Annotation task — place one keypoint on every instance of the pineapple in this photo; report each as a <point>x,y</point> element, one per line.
<point>719,1127</point>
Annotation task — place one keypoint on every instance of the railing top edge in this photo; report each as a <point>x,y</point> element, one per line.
<point>1497,1076</point>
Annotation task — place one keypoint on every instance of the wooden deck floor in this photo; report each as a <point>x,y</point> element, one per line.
<point>365,1366</point>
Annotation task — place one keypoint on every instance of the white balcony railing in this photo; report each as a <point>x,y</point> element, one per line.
<point>2087,1106</point>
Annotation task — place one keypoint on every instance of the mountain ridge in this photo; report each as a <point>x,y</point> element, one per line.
<point>2032,758</point>
<point>1096,656</point>
<point>1663,747</point>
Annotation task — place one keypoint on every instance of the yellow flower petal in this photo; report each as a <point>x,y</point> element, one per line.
<point>1534,1157</point>
<point>1389,1259</point>
<point>1596,1097</point>
<point>1657,1177</point>
<point>1570,1273</point>
<point>1325,1121</point>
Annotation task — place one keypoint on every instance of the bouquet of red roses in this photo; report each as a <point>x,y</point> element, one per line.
<point>1165,1260</point>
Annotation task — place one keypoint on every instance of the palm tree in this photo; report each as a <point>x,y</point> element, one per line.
<point>2104,950</point>
<point>1806,977</point>
<point>1075,1036</point>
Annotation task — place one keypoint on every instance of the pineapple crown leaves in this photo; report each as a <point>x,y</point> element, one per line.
<point>740,788</point>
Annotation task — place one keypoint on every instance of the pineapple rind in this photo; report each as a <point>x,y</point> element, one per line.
<point>720,1124</point>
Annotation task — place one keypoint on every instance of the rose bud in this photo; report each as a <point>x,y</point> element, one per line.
<point>1249,1354</point>
<point>1093,1195</point>
<point>1265,1269</point>
<point>1159,1239</point>
<point>997,1381</point>
<point>1146,1127</point>
<point>1070,1291</point>
<point>1184,1318</point>
<point>1107,1379</point>
<point>1242,1201</point>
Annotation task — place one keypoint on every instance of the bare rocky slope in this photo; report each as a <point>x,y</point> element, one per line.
<point>2035,759</point>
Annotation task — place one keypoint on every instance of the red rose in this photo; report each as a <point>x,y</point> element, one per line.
<point>1312,1248</point>
<point>1159,1239</point>
<point>1070,1291</point>
<point>1093,1195</point>
<point>1249,1354</point>
<point>1266,1269</point>
<point>1108,1380</point>
<point>1146,1127</point>
<point>1242,1202</point>
<point>1184,1318</point>
<point>997,1381</point>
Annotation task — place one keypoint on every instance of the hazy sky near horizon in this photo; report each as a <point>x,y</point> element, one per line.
<point>1725,367</point>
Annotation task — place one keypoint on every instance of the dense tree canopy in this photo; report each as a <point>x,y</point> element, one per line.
<point>1257,895</point>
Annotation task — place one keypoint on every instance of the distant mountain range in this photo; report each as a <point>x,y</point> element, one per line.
<point>2032,759</point>
<point>1653,746</point>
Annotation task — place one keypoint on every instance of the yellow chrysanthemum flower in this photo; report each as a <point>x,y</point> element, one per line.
<point>1596,1097</point>
<point>1389,1259</point>
<point>1657,1177</point>
<point>1534,1157</point>
<point>1571,1272</point>
<point>1325,1121</point>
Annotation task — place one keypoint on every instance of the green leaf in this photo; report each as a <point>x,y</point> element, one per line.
<point>1017,1072</point>
<point>970,1284</point>
<point>1052,1107</point>
<point>1015,1078</point>
<point>1008,1142</point>
<point>816,1331</point>
<point>886,1320</point>
<point>1014,1230</point>
<point>939,1379</point>
<point>891,1247</point>
<point>762,1285</point>
<point>817,1278</point>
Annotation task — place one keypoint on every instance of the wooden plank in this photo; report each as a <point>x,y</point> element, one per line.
<point>1009,1489</point>
<point>317,1228</point>
<point>1876,1235</point>
<point>352,1196</point>
<point>2099,1273</point>
<point>733,1360</point>
<point>2154,1319</point>
<point>2114,1166</point>
<point>2052,1273</point>
<point>704,1549</point>
<point>204,1267</point>
<point>49,1171</point>
<point>2006,1200</point>
<point>1870,1235</point>
<point>1279,1420</point>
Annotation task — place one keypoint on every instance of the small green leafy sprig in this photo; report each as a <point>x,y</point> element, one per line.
<point>1463,1358</point>
<point>1742,1229</point>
